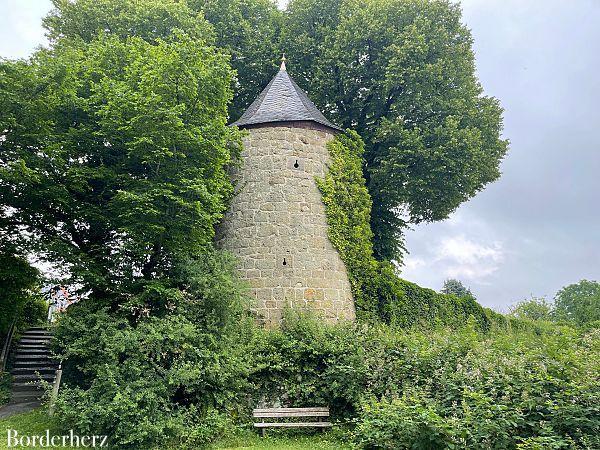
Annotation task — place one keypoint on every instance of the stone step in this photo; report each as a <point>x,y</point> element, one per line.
<point>32,351</point>
<point>33,369</point>
<point>34,358</point>
<point>25,396</point>
<point>37,333</point>
<point>34,386</point>
<point>23,363</point>
<point>42,336</point>
<point>35,340</point>
<point>34,377</point>
<point>38,345</point>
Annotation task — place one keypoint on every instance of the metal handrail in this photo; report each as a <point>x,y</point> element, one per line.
<point>6,347</point>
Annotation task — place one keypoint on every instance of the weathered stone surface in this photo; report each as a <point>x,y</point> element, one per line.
<point>276,225</point>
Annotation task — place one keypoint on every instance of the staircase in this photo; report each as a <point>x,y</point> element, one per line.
<point>31,362</point>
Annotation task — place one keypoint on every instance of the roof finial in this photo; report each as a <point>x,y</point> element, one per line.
<point>283,60</point>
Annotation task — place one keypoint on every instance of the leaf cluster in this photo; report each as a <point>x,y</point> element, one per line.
<point>115,142</point>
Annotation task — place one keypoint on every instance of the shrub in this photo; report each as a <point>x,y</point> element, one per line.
<point>158,367</point>
<point>460,387</point>
<point>405,423</point>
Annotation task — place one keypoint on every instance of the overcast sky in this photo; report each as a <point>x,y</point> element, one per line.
<point>538,227</point>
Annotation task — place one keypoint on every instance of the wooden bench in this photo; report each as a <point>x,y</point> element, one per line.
<point>286,413</point>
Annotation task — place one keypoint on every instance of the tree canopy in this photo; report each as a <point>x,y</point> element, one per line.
<point>402,74</point>
<point>399,72</point>
<point>456,287</point>
<point>578,303</point>
<point>114,145</point>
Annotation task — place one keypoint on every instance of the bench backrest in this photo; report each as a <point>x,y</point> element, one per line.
<point>291,412</point>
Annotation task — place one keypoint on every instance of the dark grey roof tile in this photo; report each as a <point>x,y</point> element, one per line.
<point>282,101</point>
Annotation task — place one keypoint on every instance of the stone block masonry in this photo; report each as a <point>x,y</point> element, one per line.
<point>277,228</point>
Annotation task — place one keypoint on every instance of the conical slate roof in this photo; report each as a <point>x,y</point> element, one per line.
<point>282,101</point>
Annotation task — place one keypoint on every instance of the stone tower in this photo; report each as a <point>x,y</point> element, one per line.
<point>276,224</point>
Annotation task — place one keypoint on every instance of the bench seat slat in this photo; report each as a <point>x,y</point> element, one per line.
<point>293,424</point>
<point>265,410</point>
<point>292,414</point>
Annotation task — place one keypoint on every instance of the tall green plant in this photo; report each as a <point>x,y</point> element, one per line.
<point>402,74</point>
<point>348,207</point>
<point>19,301</point>
<point>113,156</point>
<point>578,303</point>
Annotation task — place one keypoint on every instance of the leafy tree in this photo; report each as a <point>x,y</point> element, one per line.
<point>578,303</point>
<point>147,19</point>
<point>533,309</point>
<point>249,30</point>
<point>113,148</point>
<point>402,74</point>
<point>455,287</point>
<point>113,151</point>
<point>19,281</point>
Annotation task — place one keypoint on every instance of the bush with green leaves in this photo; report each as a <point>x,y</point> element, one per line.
<point>404,423</point>
<point>533,309</point>
<point>20,299</point>
<point>166,365</point>
<point>443,388</point>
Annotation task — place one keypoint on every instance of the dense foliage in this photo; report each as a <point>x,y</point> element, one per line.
<point>19,298</point>
<point>378,291</point>
<point>391,388</point>
<point>166,374</point>
<point>114,150</point>
<point>250,31</point>
<point>533,309</point>
<point>348,209</point>
<point>444,388</point>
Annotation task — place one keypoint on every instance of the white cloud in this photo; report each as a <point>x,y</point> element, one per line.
<point>462,247</point>
<point>414,263</point>
<point>468,259</point>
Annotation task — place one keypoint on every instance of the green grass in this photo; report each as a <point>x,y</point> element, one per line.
<point>282,441</point>
<point>37,422</point>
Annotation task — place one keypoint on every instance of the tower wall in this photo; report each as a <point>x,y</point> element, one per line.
<point>276,224</point>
